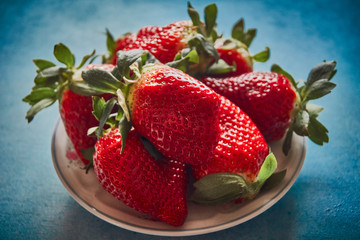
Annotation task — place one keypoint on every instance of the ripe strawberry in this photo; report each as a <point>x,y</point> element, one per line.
<point>241,148</point>
<point>75,104</point>
<point>235,50</point>
<point>150,186</point>
<point>237,160</point>
<point>275,102</point>
<point>173,110</point>
<point>166,42</point>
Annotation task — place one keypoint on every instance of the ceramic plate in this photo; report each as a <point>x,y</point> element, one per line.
<point>85,189</point>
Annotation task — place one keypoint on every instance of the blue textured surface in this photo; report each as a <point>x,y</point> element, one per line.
<point>324,201</point>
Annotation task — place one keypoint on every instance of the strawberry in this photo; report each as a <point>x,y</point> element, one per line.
<point>166,42</point>
<point>275,102</point>
<point>237,160</point>
<point>173,110</point>
<point>152,186</point>
<point>235,50</point>
<point>63,83</point>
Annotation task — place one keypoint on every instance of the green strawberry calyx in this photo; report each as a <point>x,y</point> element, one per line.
<point>304,115</point>
<point>51,80</point>
<point>224,187</point>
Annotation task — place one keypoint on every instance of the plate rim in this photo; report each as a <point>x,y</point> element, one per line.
<point>176,231</point>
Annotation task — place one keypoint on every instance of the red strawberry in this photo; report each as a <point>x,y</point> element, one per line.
<point>64,84</point>
<point>177,113</point>
<point>275,102</point>
<point>167,42</point>
<point>235,50</point>
<point>150,186</point>
<point>234,169</point>
<point>241,148</point>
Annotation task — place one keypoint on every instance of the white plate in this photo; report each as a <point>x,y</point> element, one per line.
<point>86,190</point>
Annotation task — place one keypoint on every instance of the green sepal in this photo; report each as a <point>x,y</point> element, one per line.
<point>85,59</point>
<point>124,128</point>
<point>195,18</point>
<point>238,33</point>
<point>82,88</point>
<point>276,68</point>
<point>210,13</point>
<point>317,89</point>
<point>202,45</point>
<point>224,187</point>
<point>301,123</point>
<point>317,132</point>
<point>42,64</point>
<point>101,80</point>
<point>324,70</point>
<point>98,104</point>
<point>183,59</point>
<point>274,180</point>
<point>219,188</point>
<point>63,54</point>
<point>38,94</point>
<point>106,111</point>
<point>220,67</point>
<point>38,106</point>
<point>262,56</point>
<point>55,71</point>
<point>151,149</point>
<point>110,42</point>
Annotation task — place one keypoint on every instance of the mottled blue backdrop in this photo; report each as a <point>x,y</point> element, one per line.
<point>324,201</point>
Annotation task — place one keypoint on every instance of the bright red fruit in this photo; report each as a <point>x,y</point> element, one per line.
<point>241,148</point>
<point>266,97</point>
<point>163,42</point>
<point>176,112</point>
<point>276,103</point>
<point>154,187</point>
<point>76,114</point>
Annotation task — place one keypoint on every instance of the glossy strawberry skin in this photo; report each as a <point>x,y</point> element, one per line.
<point>76,114</point>
<point>154,187</point>
<point>177,113</point>
<point>267,97</point>
<point>241,148</point>
<point>163,42</point>
<point>234,56</point>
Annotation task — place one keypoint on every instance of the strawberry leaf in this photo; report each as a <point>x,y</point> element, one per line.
<point>85,58</point>
<point>274,180</point>
<point>98,106</point>
<point>210,18</point>
<point>101,80</point>
<point>124,128</point>
<point>267,168</point>
<point>127,58</point>
<point>276,68</point>
<point>238,33</point>
<point>82,88</point>
<point>317,132</point>
<point>195,18</point>
<point>107,108</point>
<point>262,56</point>
<point>37,107</point>
<point>63,54</point>
<point>203,46</point>
<point>110,42</point>
<point>43,64</point>
<point>51,72</point>
<point>324,70</point>
<point>219,188</point>
<point>318,89</point>
<point>38,94</point>
<point>301,123</point>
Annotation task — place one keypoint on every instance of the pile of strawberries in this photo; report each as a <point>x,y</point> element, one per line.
<point>180,105</point>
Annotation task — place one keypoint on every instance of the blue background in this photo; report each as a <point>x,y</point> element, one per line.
<point>322,204</point>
